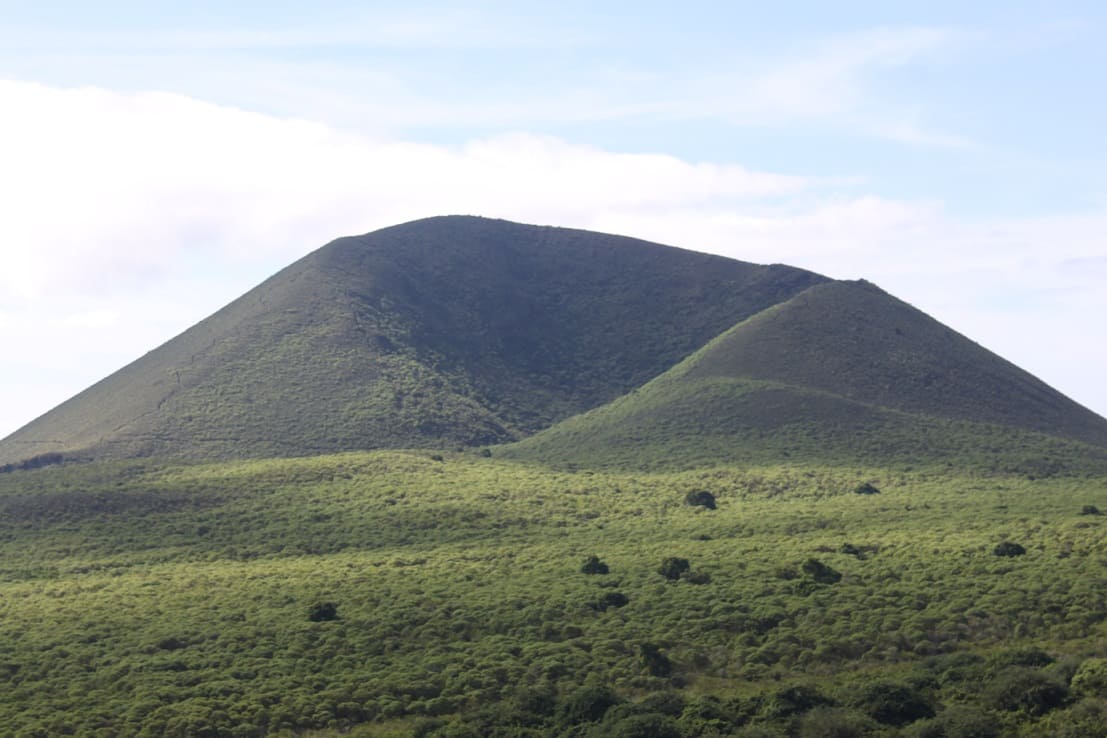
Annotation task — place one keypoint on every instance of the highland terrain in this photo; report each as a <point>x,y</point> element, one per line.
<point>465,477</point>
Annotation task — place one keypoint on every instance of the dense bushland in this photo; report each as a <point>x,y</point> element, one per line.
<point>391,593</point>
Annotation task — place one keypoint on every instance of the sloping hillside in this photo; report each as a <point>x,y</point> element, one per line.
<point>446,331</point>
<point>841,373</point>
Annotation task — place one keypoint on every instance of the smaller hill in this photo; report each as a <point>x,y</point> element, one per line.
<point>841,373</point>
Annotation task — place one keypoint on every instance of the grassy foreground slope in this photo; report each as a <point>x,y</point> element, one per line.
<point>444,331</point>
<point>138,598</point>
<point>842,373</point>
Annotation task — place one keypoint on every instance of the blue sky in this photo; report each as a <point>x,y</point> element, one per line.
<point>161,158</point>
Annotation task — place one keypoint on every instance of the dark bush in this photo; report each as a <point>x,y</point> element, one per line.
<point>655,662</point>
<point>833,722</point>
<point>707,715</point>
<point>787,573</point>
<point>1031,657</point>
<point>323,611</point>
<point>588,704</point>
<point>593,565</point>
<point>952,668</point>
<point>35,462</point>
<point>643,726</point>
<point>664,703</point>
<point>1090,678</point>
<point>424,727</point>
<point>700,498</point>
<point>698,577</point>
<point>1024,690</point>
<point>893,704</point>
<point>795,700</point>
<point>820,572</point>
<point>959,721</point>
<point>850,550</point>
<point>1086,718</point>
<point>672,567</point>
<point>486,453</point>
<point>536,702</point>
<point>1008,548</point>
<point>866,489</point>
<point>611,599</point>
<point>1090,510</point>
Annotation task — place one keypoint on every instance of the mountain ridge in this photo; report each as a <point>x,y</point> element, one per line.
<point>446,331</point>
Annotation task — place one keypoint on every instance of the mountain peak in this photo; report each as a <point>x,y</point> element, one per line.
<point>452,330</point>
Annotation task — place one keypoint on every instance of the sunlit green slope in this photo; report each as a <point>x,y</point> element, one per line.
<point>145,599</point>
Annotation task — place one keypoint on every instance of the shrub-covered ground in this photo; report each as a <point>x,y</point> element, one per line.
<point>399,593</point>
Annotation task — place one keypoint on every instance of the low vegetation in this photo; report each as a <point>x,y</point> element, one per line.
<point>391,594</point>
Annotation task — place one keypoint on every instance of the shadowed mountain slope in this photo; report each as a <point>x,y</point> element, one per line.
<point>444,331</point>
<point>842,371</point>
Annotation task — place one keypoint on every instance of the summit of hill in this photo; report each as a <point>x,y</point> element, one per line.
<point>452,330</point>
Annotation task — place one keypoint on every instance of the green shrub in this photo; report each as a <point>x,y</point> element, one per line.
<point>322,612</point>
<point>795,700</point>
<point>1009,548</point>
<point>587,704</point>
<point>1090,679</point>
<point>664,703</point>
<point>672,567</point>
<point>539,702</point>
<point>655,662</point>
<point>820,572</point>
<point>866,489</point>
<point>1030,656</point>
<point>892,703</point>
<point>707,715</point>
<point>833,722</point>
<point>959,721</point>
<point>1084,719</point>
<point>1026,691</point>
<point>611,599</point>
<point>593,565</point>
<point>650,725</point>
<point>1090,510</point>
<point>700,498</point>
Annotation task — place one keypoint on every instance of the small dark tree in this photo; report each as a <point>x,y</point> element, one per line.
<point>672,567</point>
<point>894,704</point>
<point>611,599</point>
<point>593,565</point>
<point>700,498</point>
<point>655,662</point>
<point>1029,691</point>
<point>866,489</point>
<point>586,705</point>
<point>1007,548</point>
<point>794,701</point>
<point>323,611</point>
<point>645,726</point>
<point>820,572</point>
<point>35,462</point>
<point>1090,510</point>
<point>851,550</point>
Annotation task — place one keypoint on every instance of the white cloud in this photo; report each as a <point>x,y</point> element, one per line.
<point>129,217</point>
